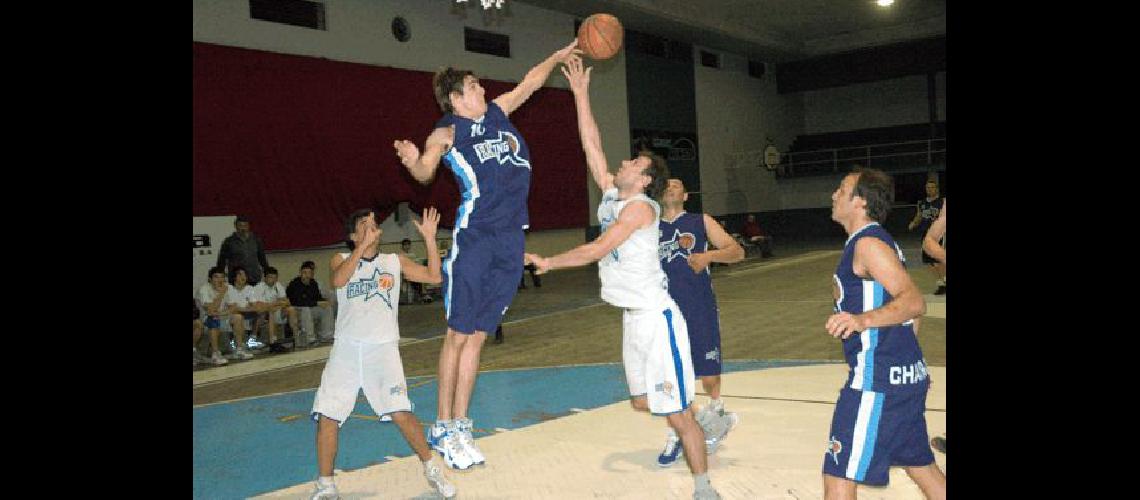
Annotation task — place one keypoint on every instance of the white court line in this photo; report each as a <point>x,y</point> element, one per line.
<point>808,257</point>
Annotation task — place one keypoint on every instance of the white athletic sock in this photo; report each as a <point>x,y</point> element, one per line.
<point>325,480</point>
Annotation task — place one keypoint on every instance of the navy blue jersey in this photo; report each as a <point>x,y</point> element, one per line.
<point>883,359</point>
<point>491,164</point>
<point>692,292</point>
<point>928,210</point>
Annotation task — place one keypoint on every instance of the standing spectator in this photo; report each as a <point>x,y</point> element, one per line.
<point>244,249</point>
<point>212,296</point>
<point>305,296</point>
<point>928,210</point>
<point>753,235</point>
<point>273,305</point>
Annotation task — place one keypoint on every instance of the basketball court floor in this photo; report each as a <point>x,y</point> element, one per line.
<point>550,406</point>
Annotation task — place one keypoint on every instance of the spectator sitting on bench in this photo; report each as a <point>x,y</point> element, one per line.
<point>242,300</point>
<point>305,296</point>
<point>273,304</point>
<point>754,236</point>
<point>219,316</point>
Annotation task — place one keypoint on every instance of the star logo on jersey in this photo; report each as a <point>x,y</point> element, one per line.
<point>504,148</point>
<point>834,448</point>
<point>380,285</point>
<point>679,245</point>
<point>713,354</point>
<point>666,388</point>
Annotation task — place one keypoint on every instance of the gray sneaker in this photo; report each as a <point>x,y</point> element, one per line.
<point>706,494</point>
<point>324,492</point>
<point>435,478</point>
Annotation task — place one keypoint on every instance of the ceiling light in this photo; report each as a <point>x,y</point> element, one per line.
<point>885,3</point>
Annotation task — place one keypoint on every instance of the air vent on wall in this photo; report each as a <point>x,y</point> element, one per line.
<point>293,12</point>
<point>485,42</point>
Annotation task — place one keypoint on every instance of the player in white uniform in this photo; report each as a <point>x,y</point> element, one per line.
<point>365,353</point>
<point>655,340</point>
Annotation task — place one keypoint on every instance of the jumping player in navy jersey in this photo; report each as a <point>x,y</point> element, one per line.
<point>685,257</point>
<point>879,418</point>
<point>491,163</point>
<point>655,341</point>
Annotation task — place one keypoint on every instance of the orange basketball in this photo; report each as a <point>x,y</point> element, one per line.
<point>600,36</point>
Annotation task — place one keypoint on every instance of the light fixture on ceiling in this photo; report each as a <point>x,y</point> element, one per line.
<point>487,3</point>
<point>885,3</point>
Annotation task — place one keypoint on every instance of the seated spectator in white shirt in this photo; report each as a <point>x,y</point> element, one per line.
<point>273,304</point>
<point>199,327</point>
<point>219,315</point>
<point>241,301</point>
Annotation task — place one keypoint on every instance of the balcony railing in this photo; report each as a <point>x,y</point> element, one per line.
<point>890,156</point>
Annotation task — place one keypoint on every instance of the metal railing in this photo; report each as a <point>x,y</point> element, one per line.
<point>909,153</point>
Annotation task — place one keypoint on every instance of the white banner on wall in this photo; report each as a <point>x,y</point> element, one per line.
<point>209,233</point>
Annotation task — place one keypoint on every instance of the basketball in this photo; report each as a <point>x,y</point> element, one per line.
<point>600,36</point>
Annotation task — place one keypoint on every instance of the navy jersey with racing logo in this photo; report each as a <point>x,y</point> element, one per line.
<point>681,238</point>
<point>491,164</point>
<point>884,359</point>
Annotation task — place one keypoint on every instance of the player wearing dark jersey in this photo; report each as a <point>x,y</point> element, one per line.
<point>685,256</point>
<point>491,164</point>
<point>928,210</point>
<point>878,420</point>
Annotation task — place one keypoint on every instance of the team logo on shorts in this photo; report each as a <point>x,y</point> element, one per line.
<point>666,388</point>
<point>713,355</point>
<point>380,284</point>
<point>679,245</point>
<point>396,390</point>
<point>834,448</point>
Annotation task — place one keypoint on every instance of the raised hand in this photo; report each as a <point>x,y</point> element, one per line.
<point>430,223</point>
<point>570,51</point>
<point>407,151</point>
<point>579,79</point>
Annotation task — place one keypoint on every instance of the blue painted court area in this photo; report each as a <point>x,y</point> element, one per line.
<point>254,446</point>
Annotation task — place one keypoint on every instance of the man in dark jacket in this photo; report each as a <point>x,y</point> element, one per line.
<point>243,249</point>
<point>305,296</point>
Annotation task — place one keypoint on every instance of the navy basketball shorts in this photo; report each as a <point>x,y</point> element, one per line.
<point>481,277</point>
<point>703,322</point>
<point>873,431</point>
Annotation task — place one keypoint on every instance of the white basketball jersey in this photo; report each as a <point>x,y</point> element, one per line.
<point>631,273</point>
<point>367,306</point>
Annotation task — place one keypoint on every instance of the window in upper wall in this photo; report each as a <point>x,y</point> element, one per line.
<point>486,42</point>
<point>293,12</point>
<point>710,59</point>
<point>756,69</point>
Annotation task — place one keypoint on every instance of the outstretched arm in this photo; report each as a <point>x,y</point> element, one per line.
<point>423,167</point>
<point>534,78</point>
<point>634,216</point>
<point>934,234</point>
<point>431,272</point>
<point>587,126</point>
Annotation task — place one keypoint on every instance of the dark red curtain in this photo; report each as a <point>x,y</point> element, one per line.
<point>297,143</point>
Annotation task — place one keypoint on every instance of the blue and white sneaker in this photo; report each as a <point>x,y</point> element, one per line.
<point>450,449</point>
<point>671,453</point>
<point>435,437</point>
<point>463,428</point>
